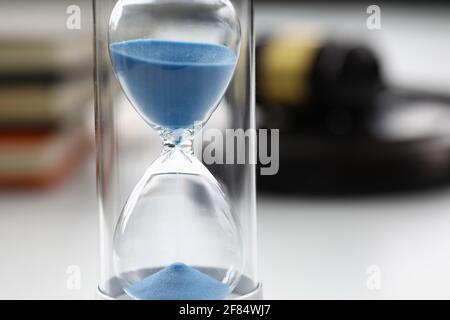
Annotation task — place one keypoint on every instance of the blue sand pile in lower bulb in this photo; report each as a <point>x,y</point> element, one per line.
<point>173,84</point>
<point>178,282</point>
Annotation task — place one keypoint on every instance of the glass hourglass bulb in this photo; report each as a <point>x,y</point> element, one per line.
<point>176,237</point>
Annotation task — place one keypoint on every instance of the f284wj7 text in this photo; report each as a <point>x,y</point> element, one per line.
<point>227,309</point>
<point>249,309</point>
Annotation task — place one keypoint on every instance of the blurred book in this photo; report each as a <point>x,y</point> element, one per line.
<point>44,56</point>
<point>45,88</point>
<point>39,159</point>
<point>43,105</point>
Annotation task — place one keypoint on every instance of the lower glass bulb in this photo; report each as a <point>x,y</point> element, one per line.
<point>176,237</point>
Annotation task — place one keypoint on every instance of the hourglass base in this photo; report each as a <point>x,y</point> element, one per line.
<point>245,289</point>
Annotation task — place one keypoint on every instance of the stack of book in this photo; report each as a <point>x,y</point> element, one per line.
<point>45,87</point>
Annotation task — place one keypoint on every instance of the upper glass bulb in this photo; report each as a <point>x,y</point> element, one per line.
<point>174,58</point>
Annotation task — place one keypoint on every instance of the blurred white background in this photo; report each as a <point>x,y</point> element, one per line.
<point>308,247</point>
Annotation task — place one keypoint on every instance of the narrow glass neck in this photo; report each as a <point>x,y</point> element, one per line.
<point>182,139</point>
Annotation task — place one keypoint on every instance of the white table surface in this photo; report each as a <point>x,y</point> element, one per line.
<point>307,248</point>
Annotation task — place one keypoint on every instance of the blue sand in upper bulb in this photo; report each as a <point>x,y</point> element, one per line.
<point>178,282</point>
<point>173,84</point>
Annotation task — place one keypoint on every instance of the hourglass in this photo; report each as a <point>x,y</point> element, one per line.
<point>176,237</point>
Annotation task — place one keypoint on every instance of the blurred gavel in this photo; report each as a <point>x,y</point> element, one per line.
<point>341,129</point>
<point>302,75</point>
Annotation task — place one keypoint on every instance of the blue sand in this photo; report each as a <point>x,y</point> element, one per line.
<point>173,84</point>
<point>178,282</point>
